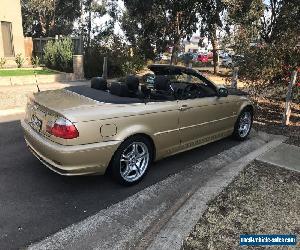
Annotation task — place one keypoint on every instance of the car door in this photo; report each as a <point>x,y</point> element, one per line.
<point>206,117</point>
<point>162,119</point>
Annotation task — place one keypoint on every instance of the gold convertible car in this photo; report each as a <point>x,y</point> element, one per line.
<point>125,125</point>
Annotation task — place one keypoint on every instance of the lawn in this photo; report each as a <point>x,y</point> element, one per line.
<point>261,200</point>
<point>25,72</point>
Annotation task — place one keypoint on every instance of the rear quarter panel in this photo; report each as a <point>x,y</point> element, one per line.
<point>157,120</point>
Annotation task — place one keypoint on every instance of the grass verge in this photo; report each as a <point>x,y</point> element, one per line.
<point>262,200</point>
<point>25,72</point>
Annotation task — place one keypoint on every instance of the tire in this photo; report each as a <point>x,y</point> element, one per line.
<point>243,125</point>
<point>131,161</point>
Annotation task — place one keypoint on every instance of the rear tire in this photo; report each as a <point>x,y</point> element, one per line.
<point>131,161</point>
<point>243,125</point>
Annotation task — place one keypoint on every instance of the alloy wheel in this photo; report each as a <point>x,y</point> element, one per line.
<point>134,161</point>
<point>245,124</point>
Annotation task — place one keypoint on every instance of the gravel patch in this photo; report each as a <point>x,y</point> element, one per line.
<point>262,200</point>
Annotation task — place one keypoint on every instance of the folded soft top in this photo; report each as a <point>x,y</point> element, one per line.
<point>102,96</point>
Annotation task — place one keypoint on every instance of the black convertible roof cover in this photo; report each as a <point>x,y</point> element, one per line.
<point>102,96</point>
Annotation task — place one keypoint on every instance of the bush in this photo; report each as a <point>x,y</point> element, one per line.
<point>58,55</point>
<point>2,62</point>
<point>35,61</point>
<point>120,60</point>
<point>19,60</point>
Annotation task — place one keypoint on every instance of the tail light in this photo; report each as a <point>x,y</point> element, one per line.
<point>63,128</point>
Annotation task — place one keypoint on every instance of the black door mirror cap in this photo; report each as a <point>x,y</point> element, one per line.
<point>222,92</point>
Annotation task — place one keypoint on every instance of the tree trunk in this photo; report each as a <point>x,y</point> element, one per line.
<point>288,102</point>
<point>176,40</point>
<point>174,57</point>
<point>214,42</point>
<point>234,77</point>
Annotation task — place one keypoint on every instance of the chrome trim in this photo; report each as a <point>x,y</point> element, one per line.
<point>204,123</point>
<point>195,125</point>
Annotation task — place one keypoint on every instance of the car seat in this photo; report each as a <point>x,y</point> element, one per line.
<point>163,90</point>
<point>132,83</point>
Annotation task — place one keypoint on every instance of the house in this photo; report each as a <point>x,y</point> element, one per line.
<point>196,44</point>
<point>11,30</point>
<point>191,45</point>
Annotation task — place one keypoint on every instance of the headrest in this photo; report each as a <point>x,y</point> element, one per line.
<point>161,83</point>
<point>119,89</point>
<point>132,83</point>
<point>99,83</point>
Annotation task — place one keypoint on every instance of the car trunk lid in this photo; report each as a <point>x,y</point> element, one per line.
<point>44,108</point>
<point>61,99</point>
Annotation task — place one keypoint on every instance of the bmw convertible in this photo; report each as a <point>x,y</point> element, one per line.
<point>121,127</point>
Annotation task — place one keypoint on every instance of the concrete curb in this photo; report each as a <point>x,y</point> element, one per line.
<point>162,215</point>
<point>14,111</point>
<point>179,226</point>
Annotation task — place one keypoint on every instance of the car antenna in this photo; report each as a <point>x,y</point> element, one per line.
<point>36,82</point>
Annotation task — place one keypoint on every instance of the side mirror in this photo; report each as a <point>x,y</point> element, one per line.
<point>148,79</point>
<point>222,92</point>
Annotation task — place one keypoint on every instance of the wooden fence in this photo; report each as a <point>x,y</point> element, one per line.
<point>39,45</point>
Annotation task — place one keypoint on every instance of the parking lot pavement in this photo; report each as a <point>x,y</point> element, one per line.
<point>285,155</point>
<point>35,202</point>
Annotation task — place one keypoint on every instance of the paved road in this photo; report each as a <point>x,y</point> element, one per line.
<point>35,202</point>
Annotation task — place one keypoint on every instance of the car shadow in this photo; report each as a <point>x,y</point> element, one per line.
<point>42,202</point>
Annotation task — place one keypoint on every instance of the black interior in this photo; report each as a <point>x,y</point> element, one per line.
<point>168,84</point>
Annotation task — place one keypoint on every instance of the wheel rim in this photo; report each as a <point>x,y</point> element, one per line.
<point>245,124</point>
<point>134,161</point>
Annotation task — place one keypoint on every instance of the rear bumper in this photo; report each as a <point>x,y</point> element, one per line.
<point>70,160</point>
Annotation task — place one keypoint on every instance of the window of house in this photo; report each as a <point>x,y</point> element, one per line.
<point>7,39</point>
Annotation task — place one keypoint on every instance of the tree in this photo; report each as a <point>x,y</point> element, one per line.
<point>154,25</point>
<point>182,22</point>
<point>49,17</point>
<point>91,25</point>
<point>268,32</point>
<point>210,12</point>
<point>144,25</point>
<point>268,35</point>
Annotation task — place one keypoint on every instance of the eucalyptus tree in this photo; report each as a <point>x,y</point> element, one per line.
<point>268,31</point>
<point>268,34</point>
<point>152,26</point>
<point>49,17</point>
<point>211,20</point>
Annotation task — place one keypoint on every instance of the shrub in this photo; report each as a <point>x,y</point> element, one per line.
<point>2,62</point>
<point>120,60</point>
<point>19,60</point>
<point>35,61</point>
<point>58,55</point>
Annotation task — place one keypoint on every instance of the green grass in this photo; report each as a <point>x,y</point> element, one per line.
<point>25,72</point>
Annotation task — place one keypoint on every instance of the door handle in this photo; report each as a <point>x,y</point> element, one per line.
<point>184,107</point>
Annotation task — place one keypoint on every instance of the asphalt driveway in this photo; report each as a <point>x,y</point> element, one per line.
<point>35,202</point>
